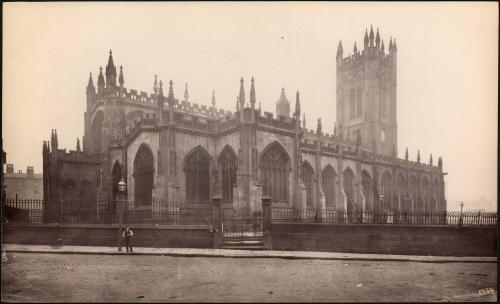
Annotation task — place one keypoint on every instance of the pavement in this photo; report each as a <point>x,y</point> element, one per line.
<point>197,252</point>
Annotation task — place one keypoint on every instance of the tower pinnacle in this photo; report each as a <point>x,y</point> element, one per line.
<point>213,98</point>
<point>186,93</point>
<point>120,78</point>
<point>340,51</point>
<point>171,91</point>
<point>155,85</point>
<point>241,97</point>
<point>252,93</point>
<point>110,71</point>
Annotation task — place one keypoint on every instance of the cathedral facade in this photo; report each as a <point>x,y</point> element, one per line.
<point>173,150</point>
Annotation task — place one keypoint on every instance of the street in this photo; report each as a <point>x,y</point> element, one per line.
<point>104,278</point>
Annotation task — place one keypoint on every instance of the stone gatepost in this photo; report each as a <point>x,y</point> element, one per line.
<point>267,222</point>
<point>216,222</point>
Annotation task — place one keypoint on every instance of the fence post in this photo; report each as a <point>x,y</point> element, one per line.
<point>216,229</point>
<point>267,222</point>
<point>121,201</point>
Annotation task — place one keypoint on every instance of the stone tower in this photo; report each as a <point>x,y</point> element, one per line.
<point>366,93</point>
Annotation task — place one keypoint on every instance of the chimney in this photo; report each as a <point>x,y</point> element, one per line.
<point>10,168</point>
<point>30,172</point>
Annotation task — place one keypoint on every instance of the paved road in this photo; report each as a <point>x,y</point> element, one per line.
<point>75,277</point>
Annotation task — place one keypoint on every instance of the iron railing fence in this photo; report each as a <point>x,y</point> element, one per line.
<point>109,212</point>
<point>237,225</point>
<point>336,216</point>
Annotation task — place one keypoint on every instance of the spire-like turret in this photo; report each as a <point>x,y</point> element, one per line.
<point>418,156</point>
<point>237,103</point>
<point>382,48</point>
<point>297,105</point>
<point>440,163</point>
<point>406,153</point>
<point>252,93</point>
<point>283,105</point>
<point>100,82</point>
<point>319,127</point>
<point>155,85</point>
<point>335,128</point>
<point>365,40</point>
<point>160,90</point>
<point>171,96</point>
<point>371,36</point>
<point>377,40</point>
<point>78,144</point>
<point>355,50</point>
<point>120,78</point>
<point>110,71</point>
<point>53,140</point>
<point>430,160</point>
<point>395,47</point>
<point>340,51</point>
<point>304,120</point>
<point>213,98</point>
<point>90,86</point>
<point>390,45</point>
<point>241,97</point>
<point>186,93</point>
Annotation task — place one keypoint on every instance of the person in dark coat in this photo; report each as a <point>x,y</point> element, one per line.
<point>128,234</point>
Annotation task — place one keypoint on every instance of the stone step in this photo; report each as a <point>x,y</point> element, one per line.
<point>246,247</point>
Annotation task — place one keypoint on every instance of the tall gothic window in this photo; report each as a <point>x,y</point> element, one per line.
<point>308,178</point>
<point>352,104</point>
<point>349,187</point>
<point>116,176</point>
<point>85,193</point>
<point>414,193</point>
<point>275,171</point>
<point>359,99</point>
<point>437,196</point>
<point>197,170</point>
<point>402,190</point>
<point>328,184</point>
<point>96,132</point>
<point>425,194</point>
<point>69,188</point>
<point>228,166</point>
<point>366,182</point>
<point>143,175</point>
<point>387,191</point>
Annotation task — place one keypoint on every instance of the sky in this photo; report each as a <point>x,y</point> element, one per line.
<point>447,69</point>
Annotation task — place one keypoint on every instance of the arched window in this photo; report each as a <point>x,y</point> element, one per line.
<point>228,166</point>
<point>437,194</point>
<point>197,170</point>
<point>116,176</point>
<point>387,191</point>
<point>308,178</point>
<point>96,132</point>
<point>366,181</point>
<point>425,193</point>
<point>359,99</point>
<point>69,189</point>
<point>328,184</point>
<point>349,188</point>
<point>402,191</point>
<point>143,175</point>
<point>275,171</point>
<point>352,104</point>
<point>85,193</point>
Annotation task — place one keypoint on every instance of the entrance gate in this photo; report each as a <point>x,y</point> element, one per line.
<point>235,226</point>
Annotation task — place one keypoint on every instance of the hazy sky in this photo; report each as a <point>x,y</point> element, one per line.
<point>447,69</point>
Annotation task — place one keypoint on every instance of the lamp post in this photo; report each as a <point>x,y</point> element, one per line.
<point>461,221</point>
<point>381,208</point>
<point>120,200</point>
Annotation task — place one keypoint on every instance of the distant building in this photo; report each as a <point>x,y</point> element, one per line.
<point>23,185</point>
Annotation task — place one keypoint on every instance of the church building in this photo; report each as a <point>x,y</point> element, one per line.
<point>170,149</point>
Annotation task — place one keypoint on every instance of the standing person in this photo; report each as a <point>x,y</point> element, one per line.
<point>127,234</point>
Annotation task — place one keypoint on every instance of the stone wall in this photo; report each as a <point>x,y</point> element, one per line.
<point>100,235</point>
<point>381,239</point>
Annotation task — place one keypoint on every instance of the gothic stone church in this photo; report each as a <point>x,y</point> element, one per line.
<point>168,149</point>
